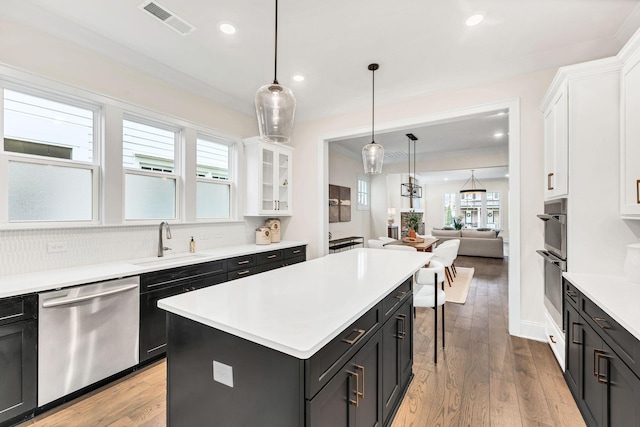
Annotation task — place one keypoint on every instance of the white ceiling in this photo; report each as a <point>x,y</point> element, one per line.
<point>421,45</point>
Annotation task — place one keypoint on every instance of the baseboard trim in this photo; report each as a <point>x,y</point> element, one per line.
<point>533,331</point>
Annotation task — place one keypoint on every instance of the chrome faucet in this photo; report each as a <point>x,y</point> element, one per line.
<point>161,247</point>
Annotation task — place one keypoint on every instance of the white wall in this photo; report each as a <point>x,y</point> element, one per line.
<point>344,171</point>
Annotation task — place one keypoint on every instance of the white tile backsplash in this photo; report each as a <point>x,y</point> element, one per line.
<point>25,251</point>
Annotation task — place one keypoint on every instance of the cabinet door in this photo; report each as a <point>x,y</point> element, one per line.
<point>153,322</point>
<point>623,391</point>
<point>630,141</point>
<point>269,167</point>
<point>406,343</point>
<point>556,145</point>
<point>335,404</point>
<point>368,365</point>
<point>283,187</point>
<point>592,396</point>
<point>18,359</point>
<point>573,352</point>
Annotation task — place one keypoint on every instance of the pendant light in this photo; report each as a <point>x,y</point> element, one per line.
<point>474,186</point>
<point>411,189</point>
<point>275,105</point>
<point>372,153</point>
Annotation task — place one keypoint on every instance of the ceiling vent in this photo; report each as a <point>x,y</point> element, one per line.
<point>167,17</point>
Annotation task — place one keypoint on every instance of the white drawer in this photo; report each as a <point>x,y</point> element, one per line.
<point>555,338</point>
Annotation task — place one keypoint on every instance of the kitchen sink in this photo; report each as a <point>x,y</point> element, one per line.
<point>170,259</point>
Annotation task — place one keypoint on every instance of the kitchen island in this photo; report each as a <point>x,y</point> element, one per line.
<point>325,342</point>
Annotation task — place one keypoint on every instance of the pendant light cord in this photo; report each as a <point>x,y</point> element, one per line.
<point>373,100</point>
<point>275,64</point>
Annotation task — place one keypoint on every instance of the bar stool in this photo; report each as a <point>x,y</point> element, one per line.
<point>428,294</point>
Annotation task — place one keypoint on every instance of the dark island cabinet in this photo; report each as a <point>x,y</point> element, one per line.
<point>18,357</point>
<point>398,356</point>
<point>352,397</point>
<point>598,351</point>
<point>341,385</point>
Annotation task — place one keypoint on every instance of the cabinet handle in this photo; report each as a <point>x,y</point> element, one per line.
<point>272,256</point>
<point>549,176</point>
<point>277,205</point>
<point>242,262</point>
<point>242,273</point>
<point>553,340</point>
<point>638,191</point>
<point>571,294</point>
<point>297,251</point>
<point>573,334</point>
<point>402,318</point>
<point>356,402</point>
<point>600,319</point>
<point>356,338</point>
<point>599,355</point>
<point>401,295</point>
<point>358,392</point>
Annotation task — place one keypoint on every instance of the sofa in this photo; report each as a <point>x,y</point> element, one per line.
<point>473,242</point>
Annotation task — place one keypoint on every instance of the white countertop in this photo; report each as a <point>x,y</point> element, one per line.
<point>300,308</point>
<point>615,295</point>
<point>54,279</point>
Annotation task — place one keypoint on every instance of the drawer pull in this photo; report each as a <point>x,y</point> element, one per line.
<point>600,319</point>
<point>356,402</point>
<point>598,356</point>
<point>401,333</point>
<point>243,262</point>
<point>573,334</point>
<point>358,391</point>
<point>242,273</point>
<point>297,251</point>
<point>356,338</point>
<point>552,339</point>
<point>272,256</point>
<point>401,295</point>
<point>549,186</point>
<point>571,294</point>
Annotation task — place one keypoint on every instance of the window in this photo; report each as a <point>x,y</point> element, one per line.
<point>449,208</point>
<point>49,147</point>
<point>151,178</point>
<point>478,210</point>
<point>213,182</point>
<point>364,191</point>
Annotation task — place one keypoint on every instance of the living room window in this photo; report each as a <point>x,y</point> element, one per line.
<point>478,210</point>
<point>364,189</point>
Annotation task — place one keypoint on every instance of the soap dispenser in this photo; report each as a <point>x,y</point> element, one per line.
<point>192,245</point>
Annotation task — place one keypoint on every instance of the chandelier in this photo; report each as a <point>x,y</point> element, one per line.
<point>411,189</point>
<point>472,185</point>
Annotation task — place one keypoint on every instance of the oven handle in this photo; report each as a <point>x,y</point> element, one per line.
<point>562,265</point>
<point>561,218</point>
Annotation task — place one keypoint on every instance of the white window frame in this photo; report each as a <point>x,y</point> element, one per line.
<point>93,165</point>
<point>230,182</point>
<point>177,174</point>
<point>367,180</point>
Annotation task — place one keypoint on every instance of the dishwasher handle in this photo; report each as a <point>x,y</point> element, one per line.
<point>65,300</point>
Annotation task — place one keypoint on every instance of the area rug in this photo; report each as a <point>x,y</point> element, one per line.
<point>460,286</point>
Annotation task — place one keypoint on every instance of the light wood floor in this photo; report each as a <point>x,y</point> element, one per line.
<point>484,377</point>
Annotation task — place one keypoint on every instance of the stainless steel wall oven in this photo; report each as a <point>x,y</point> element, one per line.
<point>555,257</point>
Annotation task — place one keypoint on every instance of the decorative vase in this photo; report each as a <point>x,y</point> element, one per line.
<point>632,263</point>
<point>412,233</point>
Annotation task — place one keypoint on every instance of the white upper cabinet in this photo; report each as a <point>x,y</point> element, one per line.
<point>630,130</point>
<point>268,185</point>
<point>556,144</point>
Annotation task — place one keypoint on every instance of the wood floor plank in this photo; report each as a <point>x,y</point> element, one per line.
<point>484,376</point>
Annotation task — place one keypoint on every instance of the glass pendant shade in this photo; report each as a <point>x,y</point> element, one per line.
<point>275,108</point>
<point>372,156</point>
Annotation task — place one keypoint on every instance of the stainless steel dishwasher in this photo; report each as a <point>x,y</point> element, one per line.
<point>86,333</point>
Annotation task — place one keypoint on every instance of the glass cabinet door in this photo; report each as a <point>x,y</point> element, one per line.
<point>282,202</point>
<point>268,158</point>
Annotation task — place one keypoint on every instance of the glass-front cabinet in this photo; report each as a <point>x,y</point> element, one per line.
<point>268,169</point>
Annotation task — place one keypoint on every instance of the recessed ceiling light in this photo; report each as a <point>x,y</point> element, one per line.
<point>474,20</point>
<point>227,28</point>
<point>506,175</point>
<point>298,77</point>
<point>498,134</point>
